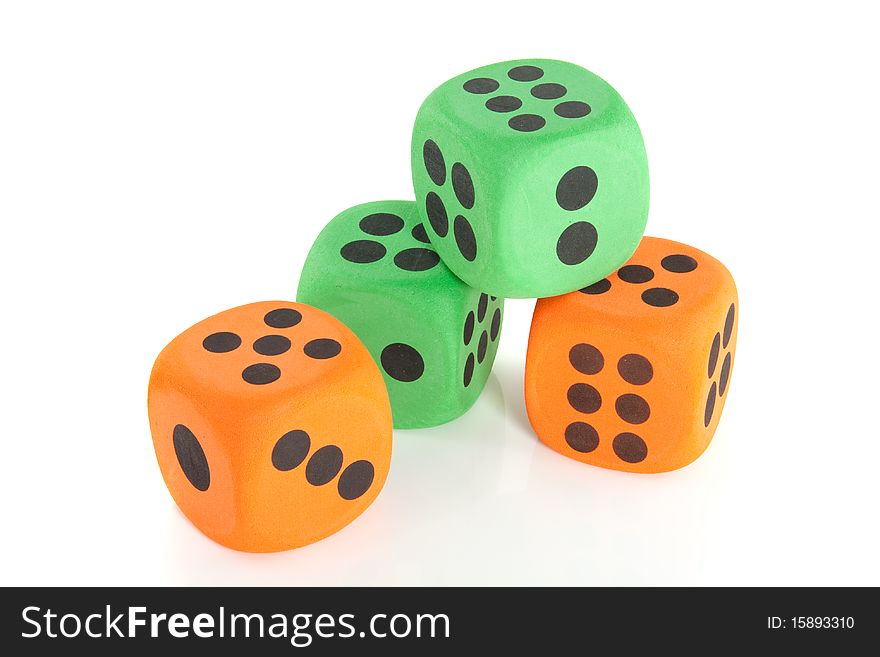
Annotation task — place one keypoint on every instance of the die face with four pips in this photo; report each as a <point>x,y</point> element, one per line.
<point>271,425</point>
<point>631,373</point>
<point>531,176</point>
<point>433,336</point>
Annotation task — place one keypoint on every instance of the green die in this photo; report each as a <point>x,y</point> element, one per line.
<point>433,336</point>
<point>532,175</point>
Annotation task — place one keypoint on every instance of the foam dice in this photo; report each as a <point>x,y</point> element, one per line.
<point>532,177</point>
<point>433,336</point>
<point>631,373</point>
<point>271,425</point>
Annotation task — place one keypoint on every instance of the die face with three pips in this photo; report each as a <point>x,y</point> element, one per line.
<point>531,176</point>
<point>271,425</point>
<point>631,373</point>
<point>433,336</point>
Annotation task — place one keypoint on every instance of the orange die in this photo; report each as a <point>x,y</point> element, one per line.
<point>271,424</point>
<point>631,373</point>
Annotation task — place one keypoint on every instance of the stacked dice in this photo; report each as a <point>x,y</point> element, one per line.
<point>531,181</point>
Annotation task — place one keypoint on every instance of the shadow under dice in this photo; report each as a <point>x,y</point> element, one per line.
<point>271,425</point>
<point>532,177</point>
<point>433,336</point>
<point>631,373</point>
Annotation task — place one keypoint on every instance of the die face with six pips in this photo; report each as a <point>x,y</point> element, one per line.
<point>631,373</point>
<point>271,425</point>
<point>433,336</point>
<point>531,177</point>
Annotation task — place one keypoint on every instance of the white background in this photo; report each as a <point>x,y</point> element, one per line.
<point>162,161</point>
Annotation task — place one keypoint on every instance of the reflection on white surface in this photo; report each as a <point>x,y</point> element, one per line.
<point>477,501</point>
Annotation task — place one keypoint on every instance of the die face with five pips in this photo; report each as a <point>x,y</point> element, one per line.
<point>433,336</point>
<point>271,425</point>
<point>531,176</point>
<point>631,373</point>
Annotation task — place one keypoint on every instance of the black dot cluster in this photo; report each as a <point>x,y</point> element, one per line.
<point>508,103</point>
<point>720,342</point>
<point>659,297</point>
<point>482,325</point>
<point>632,408</point>
<point>403,362</point>
<point>288,453</point>
<point>272,344</point>
<point>324,464</point>
<point>385,224</point>
<point>574,191</point>
<point>465,195</point>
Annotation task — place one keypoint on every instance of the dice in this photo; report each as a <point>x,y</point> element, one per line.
<point>532,177</point>
<point>271,425</point>
<point>434,337</point>
<point>631,373</point>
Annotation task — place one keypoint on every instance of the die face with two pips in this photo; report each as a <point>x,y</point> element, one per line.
<point>531,176</point>
<point>631,373</point>
<point>433,336</point>
<point>271,425</point>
